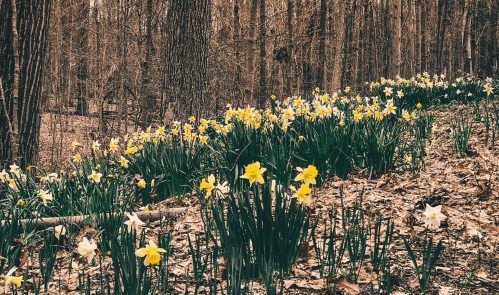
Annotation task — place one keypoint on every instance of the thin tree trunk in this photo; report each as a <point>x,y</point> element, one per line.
<point>250,67</point>
<point>237,47</point>
<point>144,91</point>
<point>466,38</point>
<point>262,87</point>
<point>288,75</point>
<point>396,15</point>
<point>322,45</point>
<point>338,56</point>
<point>14,128</point>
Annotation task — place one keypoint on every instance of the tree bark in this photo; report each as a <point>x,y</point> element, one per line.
<point>466,39</point>
<point>21,69</point>
<point>396,16</point>
<point>188,23</point>
<point>262,86</point>
<point>145,93</point>
<point>322,45</point>
<point>338,56</point>
<point>250,67</point>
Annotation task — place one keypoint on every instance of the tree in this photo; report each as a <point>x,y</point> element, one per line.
<point>23,41</point>
<point>188,25</point>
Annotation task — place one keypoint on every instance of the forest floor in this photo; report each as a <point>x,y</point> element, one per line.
<point>467,188</point>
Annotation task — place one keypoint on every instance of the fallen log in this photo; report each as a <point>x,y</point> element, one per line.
<point>43,223</point>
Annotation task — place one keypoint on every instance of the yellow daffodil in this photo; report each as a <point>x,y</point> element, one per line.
<point>253,173</point>
<point>124,162</point>
<point>209,186</point>
<point>308,175</point>
<point>141,184</point>
<point>10,279</point>
<point>302,194</point>
<point>76,158</point>
<point>151,252</point>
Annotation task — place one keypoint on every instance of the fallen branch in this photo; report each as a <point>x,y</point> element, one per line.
<point>42,223</point>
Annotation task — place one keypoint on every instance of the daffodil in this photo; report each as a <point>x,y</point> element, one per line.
<point>59,231</point>
<point>141,184</point>
<point>209,186</point>
<point>87,249</point>
<point>76,158</point>
<point>4,176</point>
<point>151,253</point>
<point>388,91</point>
<point>124,162</point>
<point>133,221</point>
<point>75,144</point>
<point>95,177</point>
<point>308,175</point>
<point>253,173</point>
<point>433,216</point>
<point>96,145</point>
<point>302,194</point>
<point>45,196</point>
<point>10,279</point>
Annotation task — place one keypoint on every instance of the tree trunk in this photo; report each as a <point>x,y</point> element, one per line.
<point>188,24</point>
<point>21,72</point>
<point>466,38</point>
<point>145,93</point>
<point>262,85</point>
<point>289,40</point>
<point>237,48</point>
<point>250,67</point>
<point>338,56</point>
<point>82,65</point>
<point>418,36</point>
<point>396,16</point>
<point>322,45</point>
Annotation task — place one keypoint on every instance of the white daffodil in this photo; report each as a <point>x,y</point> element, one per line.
<point>52,177</point>
<point>45,196</point>
<point>95,177</point>
<point>15,169</point>
<point>96,145</point>
<point>433,215</point>
<point>133,222</point>
<point>87,249</point>
<point>4,176</point>
<point>59,231</point>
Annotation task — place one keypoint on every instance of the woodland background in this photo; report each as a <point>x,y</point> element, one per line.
<point>131,63</point>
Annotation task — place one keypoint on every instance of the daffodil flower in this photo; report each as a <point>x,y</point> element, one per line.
<point>87,249</point>
<point>302,194</point>
<point>45,196</point>
<point>141,184</point>
<point>10,279</point>
<point>433,216</point>
<point>133,222</point>
<point>151,253</point>
<point>209,186</point>
<point>95,177</point>
<point>253,173</point>
<point>308,175</point>
<point>59,231</point>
